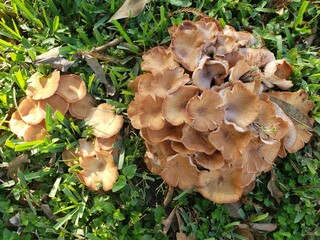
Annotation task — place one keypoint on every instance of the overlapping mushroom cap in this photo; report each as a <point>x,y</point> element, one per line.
<point>206,112</point>
<point>68,93</point>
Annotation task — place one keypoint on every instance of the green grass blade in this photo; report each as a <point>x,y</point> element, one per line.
<point>25,11</point>
<point>63,220</point>
<point>125,35</point>
<point>298,20</point>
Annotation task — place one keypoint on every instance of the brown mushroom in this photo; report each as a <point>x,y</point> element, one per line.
<point>32,111</point>
<point>57,103</point>
<point>211,162</point>
<point>168,81</point>
<point>99,171</point>
<point>179,171</point>
<point>41,87</point>
<point>105,122</point>
<point>17,125</point>
<point>174,105</point>
<point>34,133</point>
<point>230,142</point>
<point>81,109</point>
<point>221,185</point>
<point>86,148</point>
<point>157,59</point>
<point>70,156</point>
<point>276,73</point>
<point>206,111</point>
<point>71,87</point>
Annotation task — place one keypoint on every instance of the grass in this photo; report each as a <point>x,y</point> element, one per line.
<point>44,200</point>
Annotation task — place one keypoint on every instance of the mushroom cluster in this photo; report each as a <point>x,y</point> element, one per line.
<point>68,94</point>
<point>211,113</point>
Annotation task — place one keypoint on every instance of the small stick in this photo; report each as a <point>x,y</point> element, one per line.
<point>112,43</point>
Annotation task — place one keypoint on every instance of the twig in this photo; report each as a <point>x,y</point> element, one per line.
<point>112,43</point>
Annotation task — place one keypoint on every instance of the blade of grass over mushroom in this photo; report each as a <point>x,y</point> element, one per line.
<point>126,36</point>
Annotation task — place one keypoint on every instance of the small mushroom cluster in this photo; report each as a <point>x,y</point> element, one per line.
<point>205,109</point>
<point>68,94</point>
<point>62,92</point>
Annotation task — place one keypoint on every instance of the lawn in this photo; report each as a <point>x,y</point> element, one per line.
<point>41,193</point>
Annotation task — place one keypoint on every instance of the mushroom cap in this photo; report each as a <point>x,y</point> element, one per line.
<point>144,85</point>
<point>175,103</point>
<point>205,111</point>
<point>151,112</point>
<point>168,81</point>
<point>211,162</point>
<point>41,87</point>
<point>57,103</point>
<point>152,162</point>
<point>242,106</point>
<point>81,109</point>
<point>34,133</point>
<point>168,132</point>
<point>99,170</point>
<point>104,121</point>
<point>17,125</point>
<point>179,171</point>
<point>276,73</point>
<point>208,29</point>
<point>221,185</point>
<point>257,56</point>
<point>70,156</point>
<point>86,148</point>
<point>134,112</point>
<point>157,59</point>
<point>71,87</point>
<point>32,111</point>
<point>105,143</point>
<point>230,142</point>
<point>210,72</point>
<point>196,141</point>
<point>186,44</point>
<point>240,69</point>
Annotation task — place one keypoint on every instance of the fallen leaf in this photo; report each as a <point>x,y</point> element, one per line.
<point>244,231</point>
<point>130,8</point>
<point>272,187</point>
<point>233,209</point>
<point>168,221</point>
<point>52,57</point>
<point>299,119</point>
<point>98,70</point>
<point>15,164</point>
<point>265,227</point>
<point>183,236</point>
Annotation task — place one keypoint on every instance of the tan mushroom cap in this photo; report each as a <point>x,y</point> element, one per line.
<point>34,133</point>
<point>168,81</point>
<point>257,56</point>
<point>225,44</point>
<point>17,125</point>
<point>157,59</point>
<point>221,185</point>
<point>86,148</point>
<point>105,143</point>
<point>99,171</point>
<point>210,72</point>
<point>179,171</point>
<point>81,109</point>
<point>41,87</point>
<point>186,44</point>
<point>174,105</point>
<point>276,73</point>
<point>104,121</point>
<point>71,87</point>
<point>242,106</point>
<point>57,103</point>
<point>206,111</point>
<point>168,132</point>
<point>196,141</point>
<point>230,142</point>
<point>258,157</point>
<point>211,162</point>
<point>151,113</point>
<point>208,29</point>
<point>240,69</point>
<point>180,148</point>
<point>144,85</point>
<point>32,111</point>
<point>152,162</point>
<point>70,156</point>
<point>134,112</point>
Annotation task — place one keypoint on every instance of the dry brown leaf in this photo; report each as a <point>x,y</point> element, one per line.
<point>52,57</point>
<point>272,187</point>
<point>233,209</point>
<point>15,164</point>
<point>130,8</point>
<point>264,227</point>
<point>168,221</point>
<point>299,119</point>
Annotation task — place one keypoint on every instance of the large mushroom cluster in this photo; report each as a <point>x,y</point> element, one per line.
<point>211,111</point>
<point>67,93</point>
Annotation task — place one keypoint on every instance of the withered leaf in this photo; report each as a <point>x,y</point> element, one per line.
<point>52,57</point>
<point>98,70</point>
<point>234,209</point>
<point>130,8</point>
<point>244,231</point>
<point>265,227</point>
<point>272,187</point>
<point>168,221</point>
<point>15,164</point>
<point>183,236</point>
<point>298,118</point>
